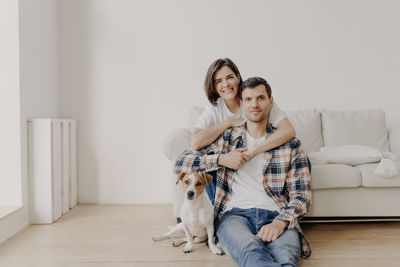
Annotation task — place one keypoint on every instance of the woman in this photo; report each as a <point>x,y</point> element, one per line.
<point>222,84</point>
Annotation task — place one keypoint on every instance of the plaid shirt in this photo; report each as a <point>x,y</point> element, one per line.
<point>286,176</point>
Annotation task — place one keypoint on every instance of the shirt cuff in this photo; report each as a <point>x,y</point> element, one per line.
<point>286,216</point>
<point>211,162</point>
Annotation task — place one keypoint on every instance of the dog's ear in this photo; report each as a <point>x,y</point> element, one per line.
<point>180,176</point>
<point>207,178</point>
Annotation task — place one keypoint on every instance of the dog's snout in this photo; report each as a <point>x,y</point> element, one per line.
<point>190,194</point>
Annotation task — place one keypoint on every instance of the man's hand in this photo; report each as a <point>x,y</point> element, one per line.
<point>271,232</point>
<point>233,159</point>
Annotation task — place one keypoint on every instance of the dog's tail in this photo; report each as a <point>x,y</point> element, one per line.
<point>177,233</point>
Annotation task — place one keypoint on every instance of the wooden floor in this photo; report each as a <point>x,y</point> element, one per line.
<point>120,235</point>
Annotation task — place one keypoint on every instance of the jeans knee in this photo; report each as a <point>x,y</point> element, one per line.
<point>246,249</point>
<point>250,248</point>
<point>290,258</point>
<point>287,255</point>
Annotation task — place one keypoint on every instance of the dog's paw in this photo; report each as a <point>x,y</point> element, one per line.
<point>216,250</point>
<point>157,237</point>
<point>187,248</point>
<point>177,242</point>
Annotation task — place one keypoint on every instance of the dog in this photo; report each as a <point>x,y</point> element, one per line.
<point>197,214</point>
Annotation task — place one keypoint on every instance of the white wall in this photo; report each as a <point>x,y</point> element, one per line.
<point>131,70</point>
<point>10,147</point>
<point>38,69</point>
<point>10,142</point>
<point>31,91</point>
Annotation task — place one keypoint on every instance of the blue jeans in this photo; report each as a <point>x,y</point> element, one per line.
<point>237,235</point>
<point>210,189</point>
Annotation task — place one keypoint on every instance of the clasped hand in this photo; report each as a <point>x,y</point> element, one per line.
<point>236,158</point>
<point>233,159</point>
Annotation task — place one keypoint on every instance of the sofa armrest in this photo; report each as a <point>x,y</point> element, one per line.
<point>393,122</point>
<point>394,142</point>
<point>176,142</point>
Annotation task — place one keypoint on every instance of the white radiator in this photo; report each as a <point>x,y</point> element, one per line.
<point>52,168</point>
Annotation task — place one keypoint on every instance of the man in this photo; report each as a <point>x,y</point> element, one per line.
<point>258,203</point>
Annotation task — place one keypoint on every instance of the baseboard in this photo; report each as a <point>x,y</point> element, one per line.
<point>350,219</point>
<point>6,211</point>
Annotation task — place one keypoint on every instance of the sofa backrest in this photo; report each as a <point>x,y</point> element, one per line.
<point>361,127</point>
<point>307,124</point>
<point>194,115</point>
<point>317,128</point>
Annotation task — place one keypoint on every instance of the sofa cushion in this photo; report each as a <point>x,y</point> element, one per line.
<point>307,124</point>
<point>331,176</point>
<point>370,179</point>
<point>348,154</point>
<point>366,127</point>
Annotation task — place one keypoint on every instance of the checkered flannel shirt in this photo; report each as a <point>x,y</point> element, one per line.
<point>286,176</point>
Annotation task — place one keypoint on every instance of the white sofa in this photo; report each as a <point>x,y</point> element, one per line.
<point>338,190</point>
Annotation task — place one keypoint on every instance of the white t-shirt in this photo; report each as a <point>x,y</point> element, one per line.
<point>247,186</point>
<point>215,114</point>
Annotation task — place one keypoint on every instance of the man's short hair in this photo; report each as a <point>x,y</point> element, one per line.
<point>253,82</point>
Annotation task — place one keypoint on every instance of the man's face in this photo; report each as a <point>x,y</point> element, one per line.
<point>256,104</point>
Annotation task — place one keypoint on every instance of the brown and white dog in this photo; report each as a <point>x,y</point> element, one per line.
<point>197,214</point>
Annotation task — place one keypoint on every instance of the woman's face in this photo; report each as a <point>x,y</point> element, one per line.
<point>226,83</point>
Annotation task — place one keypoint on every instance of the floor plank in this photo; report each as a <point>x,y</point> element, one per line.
<point>120,235</point>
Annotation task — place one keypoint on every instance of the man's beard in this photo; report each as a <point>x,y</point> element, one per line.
<point>260,119</point>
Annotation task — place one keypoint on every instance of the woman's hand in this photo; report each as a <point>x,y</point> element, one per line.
<point>248,155</point>
<point>233,159</point>
<point>236,122</point>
